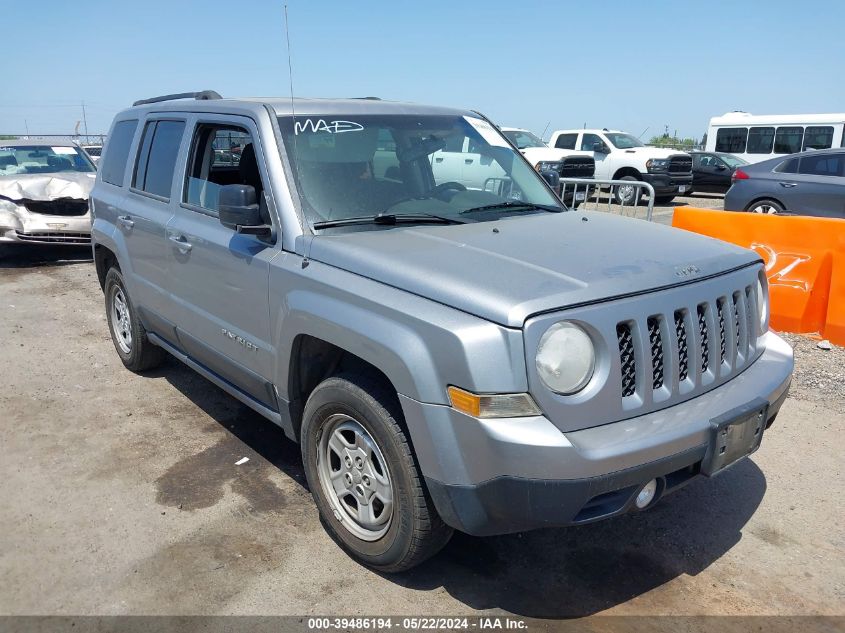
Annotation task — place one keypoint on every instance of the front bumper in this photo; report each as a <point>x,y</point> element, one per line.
<point>668,183</point>
<point>19,225</point>
<point>508,475</point>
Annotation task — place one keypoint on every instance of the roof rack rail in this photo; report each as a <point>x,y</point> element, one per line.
<point>368,98</point>
<point>204,95</point>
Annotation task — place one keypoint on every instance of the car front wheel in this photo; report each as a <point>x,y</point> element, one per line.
<point>363,476</point>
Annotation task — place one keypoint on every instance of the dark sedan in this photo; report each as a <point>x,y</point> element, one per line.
<point>712,171</point>
<point>809,183</point>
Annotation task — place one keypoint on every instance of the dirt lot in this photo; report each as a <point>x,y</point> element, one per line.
<point>121,495</point>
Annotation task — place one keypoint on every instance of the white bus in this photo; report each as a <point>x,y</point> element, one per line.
<point>757,138</point>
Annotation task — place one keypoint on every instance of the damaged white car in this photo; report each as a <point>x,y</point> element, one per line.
<point>44,190</point>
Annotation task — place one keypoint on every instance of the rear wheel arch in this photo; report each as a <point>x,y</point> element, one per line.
<point>104,259</point>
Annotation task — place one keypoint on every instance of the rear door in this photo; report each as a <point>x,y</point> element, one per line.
<point>221,276</point>
<point>143,217</point>
<point>819,187</point>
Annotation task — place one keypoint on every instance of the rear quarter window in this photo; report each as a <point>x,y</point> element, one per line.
<point>113,163</point>
<point>566,141</point>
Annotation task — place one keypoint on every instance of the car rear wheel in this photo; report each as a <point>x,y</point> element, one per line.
<point>363,476</point>
<point>768,207</point>
<point>127,333</point>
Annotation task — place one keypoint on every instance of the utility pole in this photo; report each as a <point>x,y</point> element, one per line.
<point>26,125</point>
<point>85,121</point>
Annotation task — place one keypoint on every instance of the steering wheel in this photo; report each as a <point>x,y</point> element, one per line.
<point>444,187</point>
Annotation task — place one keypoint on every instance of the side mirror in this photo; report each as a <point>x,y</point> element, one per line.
<point>600,148</point>
<point>721,167</point>
<point>551,177</point>
<point>238,210</point>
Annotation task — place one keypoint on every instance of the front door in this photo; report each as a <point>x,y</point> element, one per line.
<point>221,276</point>
<point>588,143</point>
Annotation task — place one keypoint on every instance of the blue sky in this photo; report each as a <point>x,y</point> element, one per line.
<point>624,64</point>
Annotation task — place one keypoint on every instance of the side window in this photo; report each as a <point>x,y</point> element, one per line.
<point>761,140</point>
<point>220,155</point>
<point>788,167</point>
<point>731,139</point>
<point>820,137</point>
<point>588,141</point>
<point>788,140</point>
<point>823,165</point>
<point>454,143</point>
<point>113,164</point>
<point>566,141</point>
<point>157,157</point>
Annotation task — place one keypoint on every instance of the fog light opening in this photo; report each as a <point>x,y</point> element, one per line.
<point>646,495</point>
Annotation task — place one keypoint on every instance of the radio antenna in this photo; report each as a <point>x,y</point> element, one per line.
<point>543,135</point>
<point>290,68</point>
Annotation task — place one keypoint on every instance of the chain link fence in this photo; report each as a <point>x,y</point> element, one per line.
<point>81,139</point>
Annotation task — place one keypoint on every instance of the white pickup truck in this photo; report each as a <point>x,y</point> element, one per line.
<point>567,163</point>
<point>621,156</point>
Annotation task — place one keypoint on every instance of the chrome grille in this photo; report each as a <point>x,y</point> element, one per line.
<point>627,359</point>
<point>656,343</point>
<point>58,237</point>
<point>704,339</point>
<point>681,333</point>
<point>736,320</point>
<point>682,354</point>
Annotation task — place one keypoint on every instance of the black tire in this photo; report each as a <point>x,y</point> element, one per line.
<point>663,199</point>
<point>141,354</point>
<point>415,531</point>
<point>765,206</point>
<point>635,198</point>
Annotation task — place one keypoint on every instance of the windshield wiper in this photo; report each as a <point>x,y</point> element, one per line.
<point>389,219</point>
<point>513,204</point>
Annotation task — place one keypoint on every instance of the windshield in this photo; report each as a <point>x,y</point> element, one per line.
<point>42,159</point>
<point>620,140</point>
<point>354,166</point>
<point>523,139</point>
<point>733,161</point>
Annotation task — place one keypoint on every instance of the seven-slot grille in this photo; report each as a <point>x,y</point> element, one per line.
<point>682,350</point>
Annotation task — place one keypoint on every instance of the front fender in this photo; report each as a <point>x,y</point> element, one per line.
<point>421,346</point>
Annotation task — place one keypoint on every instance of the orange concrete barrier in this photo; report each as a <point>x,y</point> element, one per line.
<point>805,263</point>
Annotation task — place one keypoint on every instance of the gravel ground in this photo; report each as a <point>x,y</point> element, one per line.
<point>819,373</point>
<point>121,495</point>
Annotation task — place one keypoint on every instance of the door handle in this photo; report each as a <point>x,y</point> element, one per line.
<point>126,221</point>
<point>468,161</point>
<point>181,243</point>
<point>788,185</point>
<point>438,160</point>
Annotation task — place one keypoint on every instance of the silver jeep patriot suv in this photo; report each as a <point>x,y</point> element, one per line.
<point>401,292</point>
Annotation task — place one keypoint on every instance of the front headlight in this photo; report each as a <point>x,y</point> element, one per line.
<point>657,164</point>
<point>548,165</point>
<point>566,358</point>
<point>762,303</point>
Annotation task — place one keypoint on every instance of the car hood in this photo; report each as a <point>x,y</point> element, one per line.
<point>535,154</point>
<point>652,152</point>
<point>44,187</point>
<point>530,264</point>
